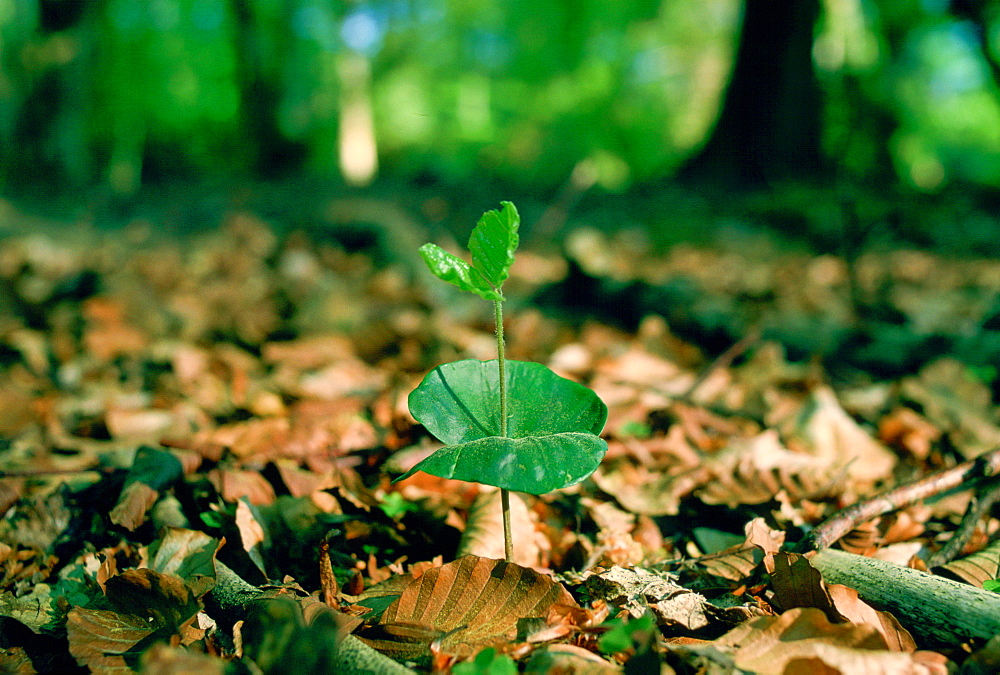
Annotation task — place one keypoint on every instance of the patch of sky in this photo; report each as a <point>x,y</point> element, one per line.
<point>364,29</point>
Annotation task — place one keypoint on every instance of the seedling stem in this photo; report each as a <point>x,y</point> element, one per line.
<point>508,543</point>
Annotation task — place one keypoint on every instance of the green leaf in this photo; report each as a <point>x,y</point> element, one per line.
<point>487,662</point>
<point>991,585</point>
<point>459,402</point>
<point>456,271</point>
<point>625,635</point>
<point>493,242</point>
<point>534,464</point>
<point>551,427</point>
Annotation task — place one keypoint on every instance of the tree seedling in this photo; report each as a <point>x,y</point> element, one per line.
<point>515,425</point>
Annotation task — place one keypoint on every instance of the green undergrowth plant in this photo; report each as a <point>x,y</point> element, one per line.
<point>512,424</point>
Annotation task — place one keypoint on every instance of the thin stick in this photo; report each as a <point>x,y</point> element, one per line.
<point>982,501</point>
<point>724,360</point>
<point>964,476</point>
<point>508,543</point>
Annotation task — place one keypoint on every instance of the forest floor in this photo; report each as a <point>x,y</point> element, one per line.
<point>199,434</point>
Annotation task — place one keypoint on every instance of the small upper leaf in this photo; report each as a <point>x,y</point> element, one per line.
<point>454,270</point>
<point>493,242</point>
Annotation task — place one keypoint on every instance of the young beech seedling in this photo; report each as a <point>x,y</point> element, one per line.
<point>512,424</point>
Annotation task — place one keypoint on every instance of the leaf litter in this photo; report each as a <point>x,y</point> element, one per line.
<point>199,437</point>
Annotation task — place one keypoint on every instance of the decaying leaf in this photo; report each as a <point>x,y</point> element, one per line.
<point>836,440</point>
<point>483,534</point>
<point>739,563</point>
<point>106,642</point>
<point>978,567</point>
<point>797,584</point>
<point>753,471</point>
<point>803,640</point>
<point>464,606</point>
<point>678,610</point>
<point>152,470</point>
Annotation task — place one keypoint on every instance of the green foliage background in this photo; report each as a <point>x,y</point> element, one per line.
<point>121,92</point>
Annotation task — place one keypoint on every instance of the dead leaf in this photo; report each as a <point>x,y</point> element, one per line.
<point>483,534</point>
<point>978,567</point>
<point>643,491</point>
<point>252,535</point>
<point>563,658</point>
<point>134,503</point>
<point>754,470</point>
<point>859,612</point>
<point>106,641</point>
<point>152,470</point>
<point>835,439</point>
<point>187,554</point>
<point>796,583</point>
<point>162,659</point>
<point>957,403</point>
<point>163,600</point>
<point>466,605</point>
<point>803,641</point>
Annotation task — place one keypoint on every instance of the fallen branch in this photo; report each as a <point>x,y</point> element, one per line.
<point>966,474</point>
<point>232,595</point>
<point>938,611</point>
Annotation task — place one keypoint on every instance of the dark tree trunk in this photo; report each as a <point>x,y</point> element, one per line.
<point>271,153</point>
<point>770,121</point>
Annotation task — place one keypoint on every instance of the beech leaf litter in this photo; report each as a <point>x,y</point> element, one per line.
<point>199,436</point>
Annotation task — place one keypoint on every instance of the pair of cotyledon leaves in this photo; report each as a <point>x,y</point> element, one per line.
<point>552,422</point>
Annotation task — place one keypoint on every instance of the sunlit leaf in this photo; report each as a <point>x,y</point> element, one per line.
<point>188,554</point>
<point>551,427</point>
<point>458,402</point>
<point>493,242</point>
<point>457,272</point>
<point>467,604</point>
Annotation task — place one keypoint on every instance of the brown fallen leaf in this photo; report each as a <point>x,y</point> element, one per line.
<point>463,606</point>
<point>797,583</point>
<point>483,534</point>
<point>101,640</point>
<point>803,641</point>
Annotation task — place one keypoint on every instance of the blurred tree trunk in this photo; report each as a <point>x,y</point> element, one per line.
<point>770,122</point>
<point>260,97</point>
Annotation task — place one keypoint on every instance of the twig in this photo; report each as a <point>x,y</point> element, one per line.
<point>982,501</point>
<point>962,475</point>
<point>724,360</point>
